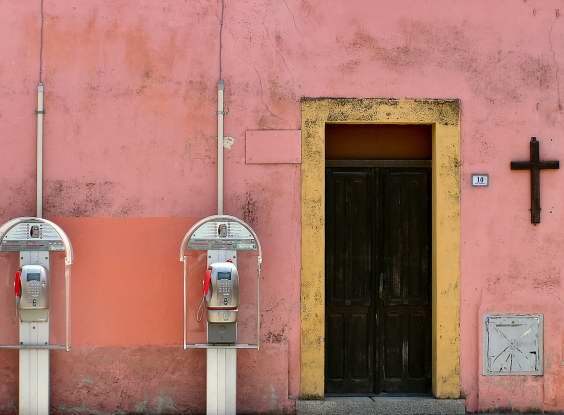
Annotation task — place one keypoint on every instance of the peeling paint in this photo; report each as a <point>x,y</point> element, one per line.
<point>228,142</point>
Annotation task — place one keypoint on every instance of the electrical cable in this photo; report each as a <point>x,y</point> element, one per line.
<point>221,40</point>
<point>41,43</point>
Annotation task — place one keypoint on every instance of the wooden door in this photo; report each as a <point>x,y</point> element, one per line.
<point>349,283</point>
<point>378,280</point>
<point>404,300</point>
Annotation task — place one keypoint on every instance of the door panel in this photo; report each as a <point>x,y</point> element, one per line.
<point>336,339</point>
<point>378,280</point>
<point>405,299</point>
<point>417,356</point>
<point>360,346</point>
<point>349,293</point>
<point>392,345</point>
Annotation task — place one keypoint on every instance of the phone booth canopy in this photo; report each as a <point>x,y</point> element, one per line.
<point>222,236</point>
<point>26,235</point>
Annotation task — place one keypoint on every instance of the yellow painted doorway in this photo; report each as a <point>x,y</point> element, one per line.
<point>444,118</point>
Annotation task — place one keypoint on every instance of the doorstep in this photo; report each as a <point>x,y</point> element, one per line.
<point>381,405</point>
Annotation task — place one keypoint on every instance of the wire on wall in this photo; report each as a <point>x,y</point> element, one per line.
<point>220,39</point>
<point>41,42</point>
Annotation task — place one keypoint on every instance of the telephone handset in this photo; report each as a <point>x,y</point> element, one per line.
<point>18,288</point>
<point>206,296</point>
<point>207,285</point>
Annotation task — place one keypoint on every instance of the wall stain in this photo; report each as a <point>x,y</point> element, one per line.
<point>164,405</point>
<point>548,282</point>
<point>455,49</point>
<point>75,198</point>
<point>349,66</point>
<point>249,209</point>
<point>19,198</point>
<point>274,337</point>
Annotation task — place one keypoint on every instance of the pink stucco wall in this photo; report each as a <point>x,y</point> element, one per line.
<point>129,165</point>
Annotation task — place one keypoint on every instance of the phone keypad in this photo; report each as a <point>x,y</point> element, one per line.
<point>33,289</point>
<point>225,290</point>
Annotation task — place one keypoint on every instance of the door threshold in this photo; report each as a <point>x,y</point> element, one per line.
<point>379,395</point>
<point>382,404</point>
<point>403,395</point>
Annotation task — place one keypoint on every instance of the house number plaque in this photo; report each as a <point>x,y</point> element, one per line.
<point>480,180</point>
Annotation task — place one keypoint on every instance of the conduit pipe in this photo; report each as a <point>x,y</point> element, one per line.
<point>39,149</point>
<point>220,138</point>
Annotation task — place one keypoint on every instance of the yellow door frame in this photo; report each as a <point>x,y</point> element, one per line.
<point>444,116</point>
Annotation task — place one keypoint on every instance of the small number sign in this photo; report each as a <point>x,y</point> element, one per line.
<point>480,180</point>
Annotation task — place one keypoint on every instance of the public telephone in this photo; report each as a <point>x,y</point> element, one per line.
<point>34,239</point>
<point>221,292</point>
<point>222,237</point>
<point>32,287</point>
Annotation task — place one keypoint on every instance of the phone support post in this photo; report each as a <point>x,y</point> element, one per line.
<point>34,239</point>
<point>222,236</point>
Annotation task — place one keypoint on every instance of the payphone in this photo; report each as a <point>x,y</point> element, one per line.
<point>221,297</point>
<point>32,291</point>
<point>34,239</point>
<point>222,237</point>
<point>221,292</point>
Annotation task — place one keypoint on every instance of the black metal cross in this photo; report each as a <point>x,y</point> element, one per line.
<point>535,165</point>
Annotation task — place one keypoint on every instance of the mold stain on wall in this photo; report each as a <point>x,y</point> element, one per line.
<point>79,199</point>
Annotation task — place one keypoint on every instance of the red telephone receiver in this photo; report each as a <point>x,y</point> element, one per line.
<point>207,282</point>
<point>18,287</point>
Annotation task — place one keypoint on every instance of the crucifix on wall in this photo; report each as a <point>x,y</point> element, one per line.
<point>535,165</point>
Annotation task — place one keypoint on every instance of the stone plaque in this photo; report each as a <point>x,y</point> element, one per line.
<point>513,344</point>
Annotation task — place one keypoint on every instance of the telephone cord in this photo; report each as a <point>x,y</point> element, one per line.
<point>200,311</point>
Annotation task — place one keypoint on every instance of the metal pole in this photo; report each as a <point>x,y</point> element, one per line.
<point>67,307</point>
<point>220,114</point>
<point>39,150</point>
<point>184,260</point>
<point>259,266</point>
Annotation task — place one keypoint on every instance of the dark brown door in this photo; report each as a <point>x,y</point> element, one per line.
<point>378,280</point>
<point>349,287</point>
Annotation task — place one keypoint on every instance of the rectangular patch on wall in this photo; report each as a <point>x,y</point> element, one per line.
<point>273,147</point>
<point>513,344</point>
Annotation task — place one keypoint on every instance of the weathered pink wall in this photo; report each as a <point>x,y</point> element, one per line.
<point>129,160</point>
